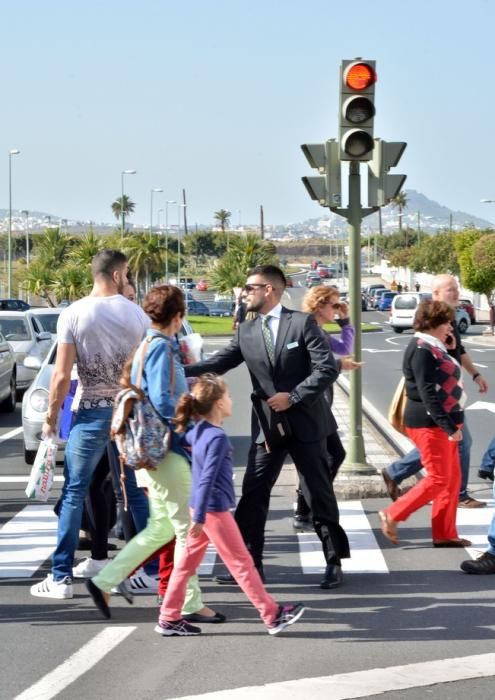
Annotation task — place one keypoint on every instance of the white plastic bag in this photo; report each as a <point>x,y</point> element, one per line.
<point>41,477</point>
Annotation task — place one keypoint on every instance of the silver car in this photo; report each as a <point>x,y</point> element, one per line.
<point>8,388</point>
<point>47,318</point>
<point>35,400</point>
<point>28,339</point>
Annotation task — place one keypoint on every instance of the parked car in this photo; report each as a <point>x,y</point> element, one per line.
<point>28,339</point>
<point>404,310</point>
<point>218,310</point>
<point>370,288</point>
<point>364,303</point>
<point>385,301</point>
<point>468,306</point>
<point>324,272</point>
<point>375,297</point>
<point>48,317</point>
<point>8,385</point>
<point>313,279</point>
<point>202,285</point>
<point>197,308</point>
<point>35,399</point>
<point>13,305</point>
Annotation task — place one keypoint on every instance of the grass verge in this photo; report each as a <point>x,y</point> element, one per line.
<point>214,325</point>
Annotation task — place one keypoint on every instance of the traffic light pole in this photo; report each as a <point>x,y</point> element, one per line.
<point>355,461</point>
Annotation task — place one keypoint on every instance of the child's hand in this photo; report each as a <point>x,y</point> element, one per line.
<point>196,529</point>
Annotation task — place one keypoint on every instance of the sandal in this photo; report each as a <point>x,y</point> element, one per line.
<point>389,527</point>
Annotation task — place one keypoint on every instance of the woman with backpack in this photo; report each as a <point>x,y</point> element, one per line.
<point>162,382</point>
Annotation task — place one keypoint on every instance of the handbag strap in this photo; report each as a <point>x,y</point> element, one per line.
<point>144,349</point>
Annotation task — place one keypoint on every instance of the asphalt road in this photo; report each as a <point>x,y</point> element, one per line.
<point>420,608</point>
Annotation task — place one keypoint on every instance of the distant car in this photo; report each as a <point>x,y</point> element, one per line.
<point>197,308</point>
<point>313,279</point>
<point>364,303</point>
<point>218,310</point>
<point>48,318</point>
<point>13,305</point>
<point>28,339</point>
<point>35,400</point>
<point>202,285</point>
<point>404,310</point>
<point>324,272</point>
<point>368,290</point>
<point>8,386</point>
<point>462,319</point>
<point>315,263</point>
<point>385,301</point>
<point>289,281</point>
<point>375,297</point>
<point>468,306</point>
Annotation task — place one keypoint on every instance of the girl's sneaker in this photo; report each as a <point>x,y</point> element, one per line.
<point>178,628</point>
<point>286,615</point>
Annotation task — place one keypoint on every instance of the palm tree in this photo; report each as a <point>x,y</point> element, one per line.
<point>400,202</point>
<point>53,247</point>
<point>122,207</point>
<point>222,216</point>
<point>245,252</point>
<point>86,248</point>
<point>72,282</point>
<point>145,254</point>
<point>38,279</point>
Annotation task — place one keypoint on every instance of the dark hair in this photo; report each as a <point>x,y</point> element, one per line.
<point>131,282</point>
<point>163,303</point>
<point>431,314</point>
<point>106,262</point>
<point>270,272</point>
<point>207,389</point>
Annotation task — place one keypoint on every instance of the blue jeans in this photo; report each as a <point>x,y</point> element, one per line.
<point>491,530</point>
<point>410,464</point>
<point>85,447</point>
<point>488,459</point>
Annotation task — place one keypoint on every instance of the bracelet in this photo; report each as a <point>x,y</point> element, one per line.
<point>475,376</point>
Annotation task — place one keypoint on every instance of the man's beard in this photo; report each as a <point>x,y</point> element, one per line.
<point>254,306</point>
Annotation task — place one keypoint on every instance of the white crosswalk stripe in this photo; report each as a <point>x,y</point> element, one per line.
<point>27,541</point>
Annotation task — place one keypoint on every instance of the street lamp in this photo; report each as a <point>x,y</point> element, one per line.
<point>122,214</point>
<point>169,201</point>
<point>155,189</point>
<point>12,152</point>
<point>179,207</point>
<point>25,213</point>
<point>159,222</point>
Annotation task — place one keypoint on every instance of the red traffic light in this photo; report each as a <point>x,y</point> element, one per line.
<point>360,76</point>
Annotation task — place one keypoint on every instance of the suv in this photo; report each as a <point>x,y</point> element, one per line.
<point>13,305</point>
<point>197,308</point>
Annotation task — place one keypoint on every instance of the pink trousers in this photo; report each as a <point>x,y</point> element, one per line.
<point>222,531</point>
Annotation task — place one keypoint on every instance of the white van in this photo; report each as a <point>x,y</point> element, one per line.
<point>404,310</point>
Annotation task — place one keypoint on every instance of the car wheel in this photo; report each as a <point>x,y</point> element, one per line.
<point>397,330</point>
<point>8,404</point>
<point>462,325</point>
<point>29,456</point>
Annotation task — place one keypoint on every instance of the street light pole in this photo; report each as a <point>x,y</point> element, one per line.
<point>155,189</point>
<point>122,214</point>
<point>26,225</point>
<point>169,201</point>
<point>12,152</point>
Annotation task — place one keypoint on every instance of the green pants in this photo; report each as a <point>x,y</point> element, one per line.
<point>169,490</point>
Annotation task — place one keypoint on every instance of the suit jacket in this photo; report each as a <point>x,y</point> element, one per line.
<point>303,363</point>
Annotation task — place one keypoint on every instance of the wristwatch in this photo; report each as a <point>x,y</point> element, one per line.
<point>293,398</point>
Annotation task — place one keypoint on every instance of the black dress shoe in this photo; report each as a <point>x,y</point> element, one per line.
<point>197,617</point>
<point>229,580</point>
<point>301,522</point>
<point>332,577</point>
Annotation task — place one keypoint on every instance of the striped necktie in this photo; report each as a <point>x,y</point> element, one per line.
<point>268,338</point>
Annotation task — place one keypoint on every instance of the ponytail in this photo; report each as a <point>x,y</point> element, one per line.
<point>205,391</point>
<point>185,410</point>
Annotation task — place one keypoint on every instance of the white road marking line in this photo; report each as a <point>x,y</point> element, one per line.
<point>477,364</point>
<point>363,684</point>
<point>23,479</point>
<point>10,434</point>
<point>27,541</point>
<point>366,555</point>
<point>76,665</point>
<point>472,523</point>
<point>206,566</point>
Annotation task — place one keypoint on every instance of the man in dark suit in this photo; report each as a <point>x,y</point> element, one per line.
<point>290,366</point>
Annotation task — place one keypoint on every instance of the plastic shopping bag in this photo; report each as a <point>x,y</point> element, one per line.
<point>190,348</point>
<point>41,477</point>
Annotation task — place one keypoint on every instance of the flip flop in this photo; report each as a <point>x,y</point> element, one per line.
<point>389,527</point>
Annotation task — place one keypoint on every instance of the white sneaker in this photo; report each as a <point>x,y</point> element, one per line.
<point>142,584</point>
<point>87,568</point>
<point>48,588</point>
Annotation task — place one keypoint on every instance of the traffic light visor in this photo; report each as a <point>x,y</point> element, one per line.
<point>360,76</point>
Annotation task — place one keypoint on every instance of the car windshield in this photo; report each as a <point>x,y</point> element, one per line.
<point>405,302</point>
<point>14,328</point>
<point>48,322</point>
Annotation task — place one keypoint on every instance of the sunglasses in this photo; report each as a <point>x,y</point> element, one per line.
<point>251,287</point>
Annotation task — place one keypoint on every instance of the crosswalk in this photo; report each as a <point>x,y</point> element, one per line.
<point>29,538</point>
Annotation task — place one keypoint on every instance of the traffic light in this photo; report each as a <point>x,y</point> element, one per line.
<point>357,110</point>
<point>382,187</point>
<point>326,188</point>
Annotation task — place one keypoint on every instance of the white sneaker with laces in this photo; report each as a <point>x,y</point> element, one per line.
<point>142,584</point>
<point>48,588</point>
<point>87,568</point>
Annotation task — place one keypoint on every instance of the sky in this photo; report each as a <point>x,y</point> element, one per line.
<point>216,96</point>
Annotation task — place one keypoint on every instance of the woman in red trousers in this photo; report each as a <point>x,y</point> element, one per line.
<point>433,418</point>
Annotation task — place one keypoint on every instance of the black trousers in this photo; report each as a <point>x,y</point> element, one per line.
<point>263,468</point>
<point>337,455</point>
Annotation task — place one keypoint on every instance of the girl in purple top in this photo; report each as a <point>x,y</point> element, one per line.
<point>327,307</point>
<point>212,498</point>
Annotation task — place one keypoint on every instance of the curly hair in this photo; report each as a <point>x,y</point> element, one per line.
<point>431,314</point>
<point>207,389</point>
<point>317,296</point>
<point>163,303</point>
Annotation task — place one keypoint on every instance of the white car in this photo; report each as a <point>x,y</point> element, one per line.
<point>47,317</point>
<point>35,400</point>
<point>28,339</point>
<point>404,310</point>
<point>8,386</point>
